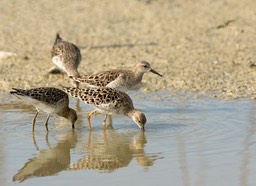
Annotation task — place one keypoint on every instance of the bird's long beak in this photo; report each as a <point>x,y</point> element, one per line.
<point>73,125</point>
<point>142,129</point>
<point>155,72</point>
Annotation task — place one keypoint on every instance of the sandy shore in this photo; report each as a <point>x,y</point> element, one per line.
<point>205,47</point>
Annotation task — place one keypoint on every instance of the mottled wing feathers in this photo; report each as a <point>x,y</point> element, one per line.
<point>46,95</point>
<point>102,97</point>
<point>66,51</point>
<point>100,79</point>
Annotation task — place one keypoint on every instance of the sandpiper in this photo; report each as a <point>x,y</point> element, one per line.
<point>108,101</point>
<point>67,57</point>
<point>122,79</point>
<point>47,99</point>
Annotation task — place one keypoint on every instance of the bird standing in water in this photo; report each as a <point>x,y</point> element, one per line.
<point>47,99</point>
<point>108,101</point>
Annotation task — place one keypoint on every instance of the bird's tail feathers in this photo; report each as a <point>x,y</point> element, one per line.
<point>57,39</point>
<point>17,91</point>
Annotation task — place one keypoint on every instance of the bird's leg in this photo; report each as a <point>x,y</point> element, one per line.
<point>47,140</point>
<point>34,121</point>
<point>89,139</point>
<point>46,122</point>
<point>89,119</point>
<point>104,122</point>
<point>34,141</point>
<point>62,78</point>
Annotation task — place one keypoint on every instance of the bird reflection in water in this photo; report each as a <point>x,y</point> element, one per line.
<point>105,152</point>
<point>113,151</point>
<point>48,162</point>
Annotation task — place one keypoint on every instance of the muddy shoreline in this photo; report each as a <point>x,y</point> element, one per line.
<point>204,48</point>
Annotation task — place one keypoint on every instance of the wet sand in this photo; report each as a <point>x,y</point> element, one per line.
<point>204,48</point>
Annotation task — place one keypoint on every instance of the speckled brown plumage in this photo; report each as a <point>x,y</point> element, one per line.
<point>104,98</point>
<point>102,78</point>
<point>48,99</point>
<point>108,101</point>
<point>50,96</point>
<point>122,79</point>
<point>66,56</point>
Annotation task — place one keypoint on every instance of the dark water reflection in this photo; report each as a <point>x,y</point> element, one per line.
<point>114,150</point>
<point>48,161</point>
<point>187,142</point>
<point>105,152</point>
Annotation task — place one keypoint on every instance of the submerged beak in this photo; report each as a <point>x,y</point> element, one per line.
<point>155,72</point>
<point>73,125</point>
<point>142,129</point>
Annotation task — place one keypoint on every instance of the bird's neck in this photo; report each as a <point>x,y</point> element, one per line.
<point>137,75</point>
<point>64,113</point>
<point>131,113</point>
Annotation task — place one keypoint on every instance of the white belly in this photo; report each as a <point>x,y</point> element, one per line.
<point>47,108</point>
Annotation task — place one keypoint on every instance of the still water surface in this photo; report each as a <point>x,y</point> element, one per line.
<point>187,142</point>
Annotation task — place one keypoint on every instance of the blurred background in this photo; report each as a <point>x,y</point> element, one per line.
<point>204,46</point>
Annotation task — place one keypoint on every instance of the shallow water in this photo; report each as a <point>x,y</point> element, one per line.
<point>187,142</point>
